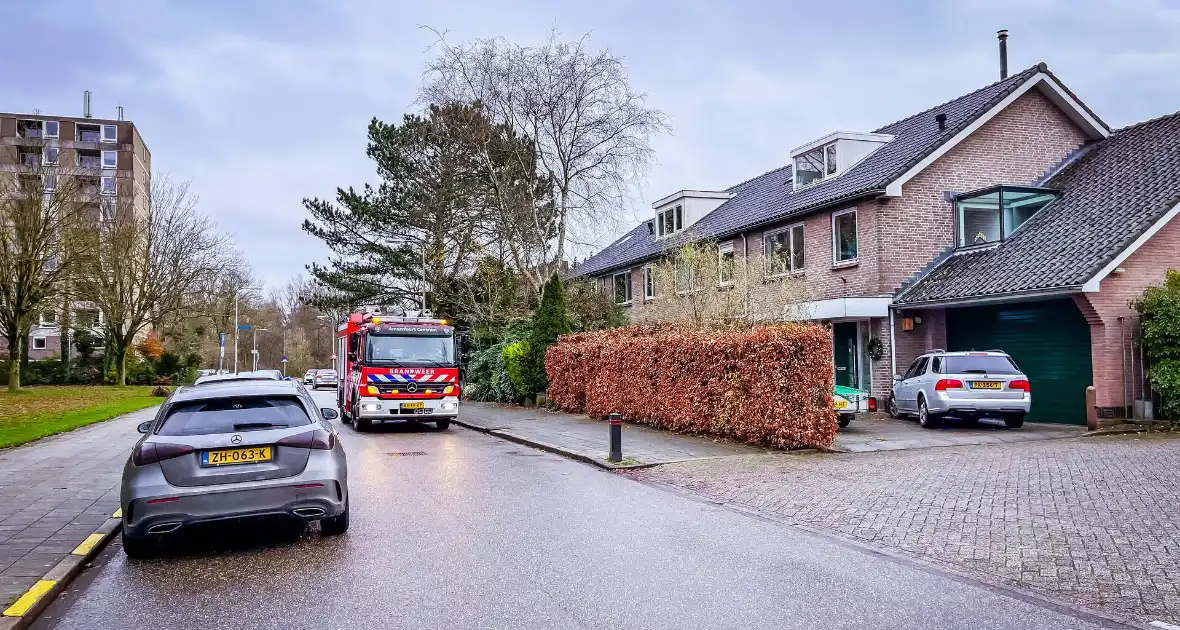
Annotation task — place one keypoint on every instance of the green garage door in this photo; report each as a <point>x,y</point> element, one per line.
<point>1050,342</point>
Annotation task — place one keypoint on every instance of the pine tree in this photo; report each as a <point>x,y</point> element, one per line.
<point>549,321</point>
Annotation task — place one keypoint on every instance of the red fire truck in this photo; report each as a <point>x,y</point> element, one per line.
<point>397,368</point>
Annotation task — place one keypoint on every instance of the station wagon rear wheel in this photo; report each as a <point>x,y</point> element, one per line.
<point>894,412</point>
<point>925,418</point>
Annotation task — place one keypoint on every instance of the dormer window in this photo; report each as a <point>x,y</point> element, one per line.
<point>994,214</point>
<point>670,221</point>
<point>815,165</point>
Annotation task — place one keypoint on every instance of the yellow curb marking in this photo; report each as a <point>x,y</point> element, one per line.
<point>30,597</point>
<point>118,513</point>
<point>87,545</point>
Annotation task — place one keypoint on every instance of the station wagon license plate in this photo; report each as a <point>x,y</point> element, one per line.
<point>986,385</point>
<point>224,457</point>
<point>409,405</point>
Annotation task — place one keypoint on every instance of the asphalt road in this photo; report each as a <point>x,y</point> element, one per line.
<point>481,533</point>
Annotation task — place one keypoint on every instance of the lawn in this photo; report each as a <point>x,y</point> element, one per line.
<point>40,411</point>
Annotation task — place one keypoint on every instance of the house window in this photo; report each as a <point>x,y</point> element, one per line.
<point>994,214</point>
<point>28,158</point>
<point>670,221</point>
<point>84,132</point>
<point>51,128</point>
<point>685,282</point>
<point>110,133</point>
<point>844,236</point>
<point>106,210</point>
<point>725,264</point>
<point>815,165</point>
<point>109,187</point>
<point>38,343</point>
<point>48,182</point>
<point>29,128</point>
<point>622,287</point>
<point>110,159</point>
<point>87,318</point>
<point>49,157</point>
<point>784,250</point>
<point>649,283</point>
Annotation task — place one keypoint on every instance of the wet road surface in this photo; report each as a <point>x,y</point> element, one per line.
<point>482,533</point>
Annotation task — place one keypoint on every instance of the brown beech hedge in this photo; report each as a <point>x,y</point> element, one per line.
<point>769,385</point>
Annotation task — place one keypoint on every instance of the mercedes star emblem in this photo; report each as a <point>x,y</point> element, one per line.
<point>236,439</point>
<point>412,387</point>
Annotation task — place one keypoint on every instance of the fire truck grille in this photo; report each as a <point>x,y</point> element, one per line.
<point>403,388</point>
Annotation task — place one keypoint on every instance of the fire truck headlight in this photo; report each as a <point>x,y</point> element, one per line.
<point>370,390</point>
<point>370,407</point>
<point>449,405</point>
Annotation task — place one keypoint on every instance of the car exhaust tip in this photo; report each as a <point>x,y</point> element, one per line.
<point>163,528</point>
<point>309,512</point>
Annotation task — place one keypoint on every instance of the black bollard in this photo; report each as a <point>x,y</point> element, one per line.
<point>616,438</point>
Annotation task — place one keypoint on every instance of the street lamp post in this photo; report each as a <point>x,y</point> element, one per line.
<point>237,291</point>
<point>255,344</point>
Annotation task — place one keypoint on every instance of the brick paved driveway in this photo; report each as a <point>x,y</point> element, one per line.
<point>1092,522</point>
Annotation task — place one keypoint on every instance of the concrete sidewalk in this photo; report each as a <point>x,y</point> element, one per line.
<point>56,492</point>
<point>586,439</point>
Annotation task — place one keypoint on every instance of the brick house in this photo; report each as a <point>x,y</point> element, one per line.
<point>992,220</point>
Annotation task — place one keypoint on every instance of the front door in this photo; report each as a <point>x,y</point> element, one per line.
<point>844,354</point>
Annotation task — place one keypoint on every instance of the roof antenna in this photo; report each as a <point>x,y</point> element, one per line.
<point>1002,35</point>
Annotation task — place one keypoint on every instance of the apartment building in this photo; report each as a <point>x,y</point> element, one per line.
<point>114,165</point>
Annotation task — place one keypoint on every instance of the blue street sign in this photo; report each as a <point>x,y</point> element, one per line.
<point>284,358</point>
<point>245,327</point>
<point>221,339</point>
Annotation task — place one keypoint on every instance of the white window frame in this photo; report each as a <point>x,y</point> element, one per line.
<point>626,284</point>
<point>102,187</point>
<point>48,182</point>
<point>722,250</point>
<point>649,282</point>
<point>788,229</point>
<point>45,130</point>
<point>45,161</point>
<point>44,344</point>
<point>102,133</point>
<point>102,159</point>
<point>824,174</point>
<point>677,214</point>
<point>835,236</point>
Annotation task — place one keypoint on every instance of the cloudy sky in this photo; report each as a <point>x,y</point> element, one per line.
<point>263,103</point>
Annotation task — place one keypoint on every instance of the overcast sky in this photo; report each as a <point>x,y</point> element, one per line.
<point>263,103</point>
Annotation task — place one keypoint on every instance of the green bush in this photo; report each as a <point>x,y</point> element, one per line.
<point>52,372</point>
<point>1159,310</point>
<point>516,365</point>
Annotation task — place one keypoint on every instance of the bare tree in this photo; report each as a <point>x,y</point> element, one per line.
<point>151,261</point>
<point>701,286</point>
<point>591,129</point>
<point>44,208</point>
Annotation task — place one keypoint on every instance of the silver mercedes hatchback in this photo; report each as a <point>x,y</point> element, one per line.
<point>233,450</point>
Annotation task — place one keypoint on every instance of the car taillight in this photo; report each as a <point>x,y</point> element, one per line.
<point>318,439</point>
<point>152,452</point>
<point>872,404</point>
<point>948,383</point>
<point>1020,384</point>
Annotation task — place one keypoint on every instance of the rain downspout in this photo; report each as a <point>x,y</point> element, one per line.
<point>892,349</point>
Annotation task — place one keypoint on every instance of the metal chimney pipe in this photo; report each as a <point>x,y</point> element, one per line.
<point>120,108</point>
<point>86,104</point>
<point>1002,35</point>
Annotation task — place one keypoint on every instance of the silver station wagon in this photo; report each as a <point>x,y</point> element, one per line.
<point>967,385</point>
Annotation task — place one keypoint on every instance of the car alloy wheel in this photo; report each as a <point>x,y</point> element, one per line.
<point>924,417</point>
<point>894,412</point>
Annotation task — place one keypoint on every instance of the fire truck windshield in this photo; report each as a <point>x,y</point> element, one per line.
<point>410,349</point>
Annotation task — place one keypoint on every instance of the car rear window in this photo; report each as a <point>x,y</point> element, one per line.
<point>326,373</point>
<point>981,364</point>
<point>233,415</point>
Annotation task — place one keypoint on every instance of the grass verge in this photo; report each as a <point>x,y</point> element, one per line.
<point>37,412</point>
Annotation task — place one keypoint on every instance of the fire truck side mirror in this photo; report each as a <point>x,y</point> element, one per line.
<point>352,357</point>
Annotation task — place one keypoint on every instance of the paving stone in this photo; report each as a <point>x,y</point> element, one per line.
<point>56,492</point>
<point>1093,521</point>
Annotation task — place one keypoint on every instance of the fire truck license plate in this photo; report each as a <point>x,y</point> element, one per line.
<point>409,405</point>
